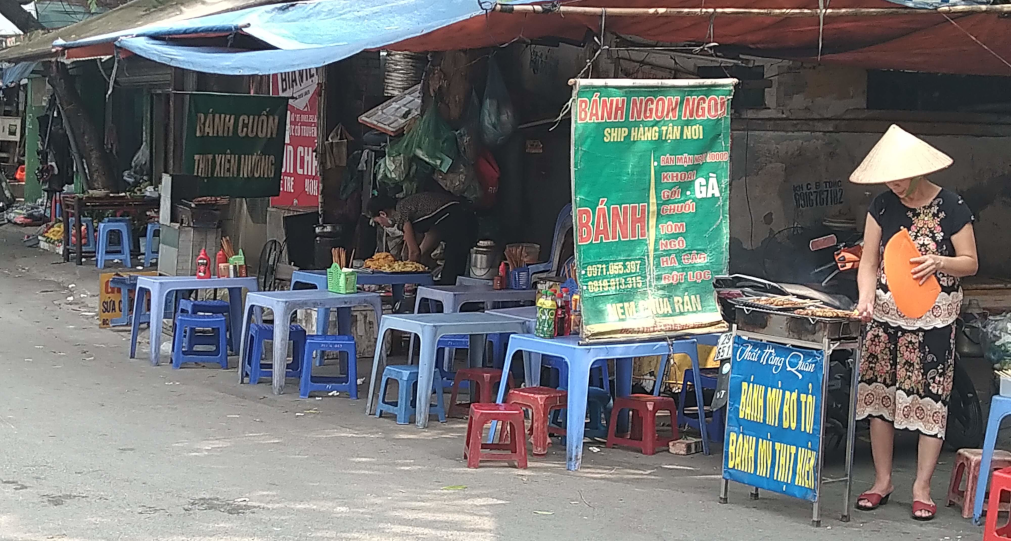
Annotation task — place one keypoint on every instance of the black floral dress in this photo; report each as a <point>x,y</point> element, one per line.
<point>907,364</point>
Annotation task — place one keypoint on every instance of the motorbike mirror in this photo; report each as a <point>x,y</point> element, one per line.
<point>821,243</point>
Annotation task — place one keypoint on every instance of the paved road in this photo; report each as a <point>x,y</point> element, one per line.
<point>94,446</point>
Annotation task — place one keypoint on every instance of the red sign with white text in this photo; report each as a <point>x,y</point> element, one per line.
<point>300,171</point>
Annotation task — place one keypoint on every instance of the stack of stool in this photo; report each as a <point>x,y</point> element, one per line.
<point>222,308</point>
<point>107,250</point>
<point>511,417</point>
<point>541,401</point>
<point>151,247</point>
<point>405,407</point>
<point>966,469</point>
<point>330,342</point>
<point>86,240</point>
<point>253,364</point>
<point>184,345</point>
<point>643,435</point>
<point>481,381</point>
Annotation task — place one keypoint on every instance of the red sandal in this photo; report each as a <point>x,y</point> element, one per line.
<point>924,506</point>
<point>875,500</point>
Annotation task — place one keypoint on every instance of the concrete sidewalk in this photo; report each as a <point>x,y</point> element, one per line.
<point>95,446</point>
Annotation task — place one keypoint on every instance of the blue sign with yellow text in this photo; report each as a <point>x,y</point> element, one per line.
<point>774,418</point>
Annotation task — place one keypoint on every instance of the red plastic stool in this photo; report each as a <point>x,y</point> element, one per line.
<point>481,381</point>
<point>644,408</point>
<point>541,401</point>
<point>999,485</point>
<point>967,468</point>
<point>511,417</point>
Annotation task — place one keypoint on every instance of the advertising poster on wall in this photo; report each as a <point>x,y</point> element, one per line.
<point>300,170</point>
<point>651,193</point>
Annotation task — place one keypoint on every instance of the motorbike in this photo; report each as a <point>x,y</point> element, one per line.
<point>966,425</point>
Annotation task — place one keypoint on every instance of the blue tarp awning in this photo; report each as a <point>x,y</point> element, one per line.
<point>13,74</point>
<point>302,34</point>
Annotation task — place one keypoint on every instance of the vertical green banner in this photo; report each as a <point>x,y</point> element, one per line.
<point>651,194</point>
<point>235,143</point>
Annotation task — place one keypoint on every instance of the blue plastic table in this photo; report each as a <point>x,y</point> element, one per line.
<point>431,327</point>
<point>284,303</point>
<point>455,297</point>
<point>397,280</point>
<point>159,288</point>
<point>579,359</point>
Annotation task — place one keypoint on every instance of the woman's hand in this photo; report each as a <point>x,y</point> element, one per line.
<point>413,254</point>
<point>866,309</point>
<point>926,266</point>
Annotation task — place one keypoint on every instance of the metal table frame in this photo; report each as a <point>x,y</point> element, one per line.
<point>76,204</point>
<point>827,347</point>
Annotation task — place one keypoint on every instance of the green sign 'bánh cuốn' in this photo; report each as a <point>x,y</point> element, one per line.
<point>651,187</point>
<point>235,143</point>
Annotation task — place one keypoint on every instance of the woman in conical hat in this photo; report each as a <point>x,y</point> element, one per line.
<point>907,363</point>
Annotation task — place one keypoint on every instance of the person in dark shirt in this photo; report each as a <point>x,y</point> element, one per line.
<point>432,218</point>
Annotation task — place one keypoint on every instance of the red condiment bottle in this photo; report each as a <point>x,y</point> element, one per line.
<point>203,265</point>
<point>219,260</point>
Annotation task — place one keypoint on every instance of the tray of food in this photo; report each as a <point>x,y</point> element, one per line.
<point>828,313</point>
<point>385,262</point>
<point>778,303</point>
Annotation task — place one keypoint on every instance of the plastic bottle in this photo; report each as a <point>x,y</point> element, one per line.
<point>220,260</point>
<point>566,307</point>
<point>559,314</point>
<point>575,316</point>
<point>546,308</point>
<point>203,265</point>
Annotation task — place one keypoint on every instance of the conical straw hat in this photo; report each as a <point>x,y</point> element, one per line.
<point>899,155</point>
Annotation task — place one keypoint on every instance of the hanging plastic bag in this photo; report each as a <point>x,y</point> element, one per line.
<point>498,120</point>
<point>997,340</point>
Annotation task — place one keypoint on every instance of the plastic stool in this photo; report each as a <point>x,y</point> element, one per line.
<point>482,380</point>
<point>126,285</point>
<point>598,410</point>
<point>106,249</point>
<point>715,423</point>
<point>329,342</point>
<point>150,246</point>
<point>462,341</point>
<point>1000,407</point>
<point>190,323</point>
<point>87,241</point>
<point>188,306</point>
<point>1001,487</point>
<point>405,407</point>
<point>511,417</point>
<point>541,401</point>
<point>643,434</point>
<point>966,469</point>
<point>253,364</point>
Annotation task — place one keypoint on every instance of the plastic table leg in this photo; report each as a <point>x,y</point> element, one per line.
<point>378,359</point>
<point>579,382</point>
<point>282,316</point>
<point>157,316</point>
<point>138,302</point>
<point>1000,407</point>
<point>426,374</point>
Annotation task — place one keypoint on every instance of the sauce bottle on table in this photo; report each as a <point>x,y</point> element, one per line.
<point>560,315</point>
<point>546,308</point>
<point>575,316</point>
<point>203,265</point>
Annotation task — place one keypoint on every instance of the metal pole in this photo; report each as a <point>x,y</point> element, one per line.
<point>851,429</point>
<point>826,349</point>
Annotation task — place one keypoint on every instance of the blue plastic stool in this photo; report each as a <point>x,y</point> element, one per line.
<point>329,342</point>
<point>126,285</point>
<point>150,246</point>
<point>253,364</point>
<point>1000,407</point>
<point>715,425</point>
<point>187,306</point>
<point>405,407</point>
<point>187,324</point>
<point>598,412</point>
<point>598,373</point>
<point>106,249</point>
<point>88,240</point>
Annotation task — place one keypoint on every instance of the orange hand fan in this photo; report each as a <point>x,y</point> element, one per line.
<point>911,298</point>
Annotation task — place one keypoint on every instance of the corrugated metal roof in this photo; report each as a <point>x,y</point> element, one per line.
<point>137,13</point>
